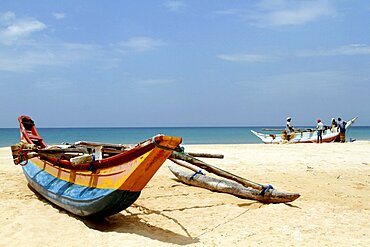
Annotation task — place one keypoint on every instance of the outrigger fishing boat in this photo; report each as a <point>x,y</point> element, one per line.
<point>87,178</point>
<point>302,136</point>
<point>98,179</point>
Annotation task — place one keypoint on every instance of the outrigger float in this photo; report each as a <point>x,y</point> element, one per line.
<point>228,183</point>
<point>304,136</point>
<point>91,179</point>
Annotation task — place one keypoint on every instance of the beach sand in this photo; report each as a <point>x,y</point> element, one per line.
<point>333,210</point>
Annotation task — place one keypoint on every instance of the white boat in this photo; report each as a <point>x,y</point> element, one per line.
<point>305,136</point>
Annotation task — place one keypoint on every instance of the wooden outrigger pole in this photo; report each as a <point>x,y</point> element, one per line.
<point>215,170</point>
<point>239,186</point>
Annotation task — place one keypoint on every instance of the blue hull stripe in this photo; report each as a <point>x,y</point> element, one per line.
<point>77,199</point>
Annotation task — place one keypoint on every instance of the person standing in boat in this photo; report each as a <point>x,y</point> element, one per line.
<point>289,127</point>
<point>320,129</point>
<point>342,130</point>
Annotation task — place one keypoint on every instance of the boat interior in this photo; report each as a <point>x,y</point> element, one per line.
<point>78,152</point>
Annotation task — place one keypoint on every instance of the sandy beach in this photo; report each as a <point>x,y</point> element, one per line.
<point>333,210</point>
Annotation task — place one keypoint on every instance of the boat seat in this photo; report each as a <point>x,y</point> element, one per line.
<point>34,137</point>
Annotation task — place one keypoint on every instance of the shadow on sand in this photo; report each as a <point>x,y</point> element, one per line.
<point>136,225</point>
<point>130,224</point>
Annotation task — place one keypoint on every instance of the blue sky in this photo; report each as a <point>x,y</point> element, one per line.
<point>184,63</point>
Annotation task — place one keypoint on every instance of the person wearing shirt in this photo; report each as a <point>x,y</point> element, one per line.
<point>320,129</point>
<point>342,130</point>
<point>289,128</point>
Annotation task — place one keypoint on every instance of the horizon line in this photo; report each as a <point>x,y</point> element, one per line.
<point>143,127</point>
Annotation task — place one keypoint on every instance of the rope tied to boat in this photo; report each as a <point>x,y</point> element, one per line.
<point>22,152</point>
<point>200,172</point>
<point>22,158</point>
<point>267,188</point>
<point>177,149</point>
<point>91,165</point>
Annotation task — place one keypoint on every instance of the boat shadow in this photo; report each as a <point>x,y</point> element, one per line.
<point>131,223</point>
<point>135,224</point>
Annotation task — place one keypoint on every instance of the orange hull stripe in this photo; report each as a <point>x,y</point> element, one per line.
<point>132,175</point>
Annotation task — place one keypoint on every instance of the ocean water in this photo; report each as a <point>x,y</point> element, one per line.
<point>190,135</point>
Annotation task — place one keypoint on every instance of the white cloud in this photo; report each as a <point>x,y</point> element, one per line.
<point>175,6</point>
<point>353,49</point>
<point>22,28</point>
<point>24,52</point>
<point>59,15</point>
<point>248,58</point>
<point>346,50</point>
<point>28,58</point>
<point>283,12</point>
<point>13,29</point>
<point>140,44</point>
<point>25,61</point>
<point>297,15</point>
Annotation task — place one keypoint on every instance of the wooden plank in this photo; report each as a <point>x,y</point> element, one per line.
<point>206,155</point>
<point>96,144</point>
<point>177,162</point>
<point>82,159</point>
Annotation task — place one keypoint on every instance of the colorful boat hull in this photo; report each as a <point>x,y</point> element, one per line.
<point>99,188</point>
<point>77,199</point>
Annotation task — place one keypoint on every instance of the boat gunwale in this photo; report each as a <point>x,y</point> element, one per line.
<point>120,158</point>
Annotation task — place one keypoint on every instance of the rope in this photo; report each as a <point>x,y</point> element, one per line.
<point>200,172</point>
<point>177,149</point>
<point>267,188</point>
<point>91,166</point>
<point>21,155</point>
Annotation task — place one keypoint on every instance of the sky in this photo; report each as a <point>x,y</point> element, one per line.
<point>172,63</point>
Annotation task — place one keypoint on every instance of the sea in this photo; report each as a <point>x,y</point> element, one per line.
<point>190,135</point>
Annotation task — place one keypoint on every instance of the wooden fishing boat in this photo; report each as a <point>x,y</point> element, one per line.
<point>267,195</point>
<point>305,136</point>
<point>89,179</point>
